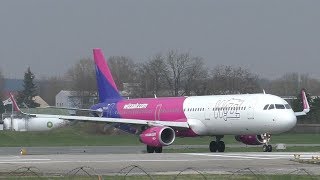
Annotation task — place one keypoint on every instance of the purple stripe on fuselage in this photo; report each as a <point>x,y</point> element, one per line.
<point>164,109</point>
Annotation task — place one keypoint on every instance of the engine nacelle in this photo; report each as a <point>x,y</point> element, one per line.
<point>158,136</point>
<point>250,139</point>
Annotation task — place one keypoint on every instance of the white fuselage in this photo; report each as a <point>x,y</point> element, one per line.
<point>238,114</point>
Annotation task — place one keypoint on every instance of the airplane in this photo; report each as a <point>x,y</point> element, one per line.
<point>31,122</point>
<point>252,118</point>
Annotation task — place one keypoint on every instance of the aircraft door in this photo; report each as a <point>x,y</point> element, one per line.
<point>157,112</point>
<point>250,111</point>
<point>207,113</point>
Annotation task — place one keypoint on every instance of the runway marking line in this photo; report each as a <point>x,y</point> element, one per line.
<point>244,156</point>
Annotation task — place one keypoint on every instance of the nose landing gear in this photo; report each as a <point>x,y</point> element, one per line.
<point>266,139</point>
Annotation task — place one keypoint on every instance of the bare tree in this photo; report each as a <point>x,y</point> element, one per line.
<point>152,76</point>
<point>177,73</point>
<point>50,87</point>
<point>177,65</point>
<point>230,80</point>
<point>290,84</point>
<point>1,84</point>
<point>83,81</point>
<point>123,70</point>
<point>196,78</point>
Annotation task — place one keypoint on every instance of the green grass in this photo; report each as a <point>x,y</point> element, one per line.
<point>78,135</point>
<point>13,139</point>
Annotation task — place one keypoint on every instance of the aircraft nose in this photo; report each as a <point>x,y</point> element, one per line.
<point>287,121</point>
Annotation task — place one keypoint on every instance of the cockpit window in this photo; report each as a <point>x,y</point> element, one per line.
<point>271,106</point>
<point>266,107</point>
<point>287,106</point>
<point>280,106</point>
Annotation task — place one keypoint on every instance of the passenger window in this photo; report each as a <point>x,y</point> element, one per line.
<point>271,106</point>
<point>287,106</point>
<point>266,107</point>
<point>280,106</point>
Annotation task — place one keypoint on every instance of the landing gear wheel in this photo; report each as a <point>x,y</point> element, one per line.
<point>213,146</point>
<point>150,149</point>
<point>158,149</point>
<point>221,146</point>
<point>265,148</point>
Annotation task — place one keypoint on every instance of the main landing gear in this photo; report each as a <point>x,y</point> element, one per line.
<point>217,145</point>
<point>151,149</point>
<point>266,146</point>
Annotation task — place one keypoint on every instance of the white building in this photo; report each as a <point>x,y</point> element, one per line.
<point>62,99</point>
<point>71,99</point>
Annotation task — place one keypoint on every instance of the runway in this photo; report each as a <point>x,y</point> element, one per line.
<point>218,163</point>
<point>111,149</point>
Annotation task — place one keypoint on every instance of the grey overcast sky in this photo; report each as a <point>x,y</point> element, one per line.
<point>268,37</point>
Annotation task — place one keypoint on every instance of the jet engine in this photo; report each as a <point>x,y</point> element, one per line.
<point>158,136</point>
<point>251,139</point>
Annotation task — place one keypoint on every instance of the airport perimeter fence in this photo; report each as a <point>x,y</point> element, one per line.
<point>135,172</point>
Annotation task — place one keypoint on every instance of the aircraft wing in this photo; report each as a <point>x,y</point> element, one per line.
<point>306,107</point>
<point>76,109</point>
<point>127,121</point>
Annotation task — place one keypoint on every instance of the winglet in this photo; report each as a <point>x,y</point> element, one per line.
<point>305,104</point>
<point>14,103</point>
<point>306,107</point>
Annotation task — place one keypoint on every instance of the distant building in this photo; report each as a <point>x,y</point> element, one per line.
<point>130,89</point>
<point>40,101</point>
<point>73,100</point>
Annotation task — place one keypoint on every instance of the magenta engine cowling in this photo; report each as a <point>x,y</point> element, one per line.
<point>250,139</point>
<point>158,136</point>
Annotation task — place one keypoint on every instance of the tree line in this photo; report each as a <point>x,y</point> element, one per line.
<point>165,74</point>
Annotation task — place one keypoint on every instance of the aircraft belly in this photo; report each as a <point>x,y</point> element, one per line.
<point>236,127</point>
